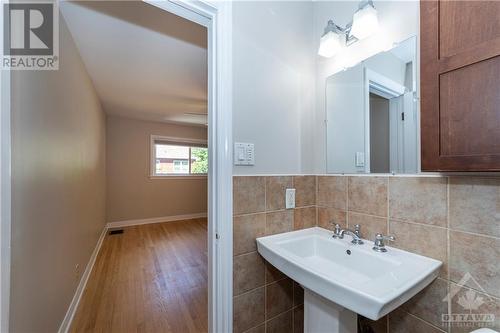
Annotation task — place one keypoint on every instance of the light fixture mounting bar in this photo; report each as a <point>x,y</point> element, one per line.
<point>349,39</point>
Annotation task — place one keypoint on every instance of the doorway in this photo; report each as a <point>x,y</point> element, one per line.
<point>379,134</point>
<point>390,126</point>
<point>219,207</point>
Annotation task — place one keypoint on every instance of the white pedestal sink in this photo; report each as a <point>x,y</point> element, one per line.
<point>341,279</point>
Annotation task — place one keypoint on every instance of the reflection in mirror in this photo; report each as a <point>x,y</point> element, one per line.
<point>371,112</point>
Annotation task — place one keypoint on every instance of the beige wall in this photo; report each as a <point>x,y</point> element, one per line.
<point>452,219</point>
<point>131,193</point>
<point>58,194</point>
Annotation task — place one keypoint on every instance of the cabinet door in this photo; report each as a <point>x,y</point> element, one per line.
<point>460,85</point>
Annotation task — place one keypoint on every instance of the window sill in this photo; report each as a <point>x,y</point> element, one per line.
<point>179,177</point>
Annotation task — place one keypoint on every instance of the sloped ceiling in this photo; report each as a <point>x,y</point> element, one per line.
<point>145,63</point>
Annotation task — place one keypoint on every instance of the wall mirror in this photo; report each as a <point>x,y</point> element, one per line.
<point>372,121</point>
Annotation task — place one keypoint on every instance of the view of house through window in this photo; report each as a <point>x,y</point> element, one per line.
<point>173,159</point>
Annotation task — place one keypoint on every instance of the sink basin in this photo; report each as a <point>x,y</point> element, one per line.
<point>353,277</point>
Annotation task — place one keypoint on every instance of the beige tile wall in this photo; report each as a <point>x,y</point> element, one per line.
<point>265,300</point>
<point>453,219</point>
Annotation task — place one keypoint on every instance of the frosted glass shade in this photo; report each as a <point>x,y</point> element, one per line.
<point>330,44</point>
<point>364,22</point>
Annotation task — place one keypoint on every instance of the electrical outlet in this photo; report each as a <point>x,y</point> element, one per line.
<point>290,198</point>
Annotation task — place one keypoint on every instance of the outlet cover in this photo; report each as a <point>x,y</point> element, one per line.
<point>290,198</point>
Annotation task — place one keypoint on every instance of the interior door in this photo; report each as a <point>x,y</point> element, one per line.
<point>396,111</point>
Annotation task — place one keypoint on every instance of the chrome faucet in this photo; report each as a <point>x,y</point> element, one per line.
<point>379,245</point>
<point>356,234</point>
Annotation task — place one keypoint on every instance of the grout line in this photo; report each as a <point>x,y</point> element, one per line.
<point>448,296</point>
<point>249,214</point>
<point>430,324</point>
<point>273,211</point>
<point>309,206</point>
<point>249,291</point>
<point>388,210</point>
<point>475,234</point>
<point>245,253</point>
<point>418,223</point>
<point>265,300</point>
<point>448,243</point>
<point>347,202</point>
<point>265,193</point>
<point>315,203</point>
<point>400,175</point>
<point>264,286</point>
<point>474,289</point>
<point>448,202</point>
<point>276,281</point>
<point>279,314</point>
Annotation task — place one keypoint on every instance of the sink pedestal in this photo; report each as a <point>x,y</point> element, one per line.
<point>322,315</point>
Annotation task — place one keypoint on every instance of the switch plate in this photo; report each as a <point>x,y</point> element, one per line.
<point>290,198</point>
<point>244,153</point>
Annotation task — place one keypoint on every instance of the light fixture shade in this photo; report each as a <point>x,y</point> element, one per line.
<point>364,22</point>
<point>330,44</point>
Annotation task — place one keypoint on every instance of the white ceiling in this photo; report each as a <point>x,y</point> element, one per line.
<point>145,63</point>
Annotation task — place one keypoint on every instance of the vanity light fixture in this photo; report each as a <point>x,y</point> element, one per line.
<point>364,23</point>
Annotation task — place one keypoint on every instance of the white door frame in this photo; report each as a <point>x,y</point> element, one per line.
<point>217,17</point>
<point>386,88</point>
<point>5,198</point>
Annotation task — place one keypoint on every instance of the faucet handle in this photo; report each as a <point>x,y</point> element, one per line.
<point>379,245</point>
<point>357,231</point>
<point>389,238</point>
<point>337,231</point>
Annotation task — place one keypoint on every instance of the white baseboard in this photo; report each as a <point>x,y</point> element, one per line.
<point>68,318</point>
<point>127,223</point>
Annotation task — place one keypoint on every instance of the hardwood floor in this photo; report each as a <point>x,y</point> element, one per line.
<point>151,278</point>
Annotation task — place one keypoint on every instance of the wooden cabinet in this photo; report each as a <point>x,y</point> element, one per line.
<point>460,85</point>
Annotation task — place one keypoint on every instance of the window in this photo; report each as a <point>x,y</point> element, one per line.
<point>181,166</point>
<point>174,157</point>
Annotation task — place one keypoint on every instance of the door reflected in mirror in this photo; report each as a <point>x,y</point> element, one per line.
<point>372,116</point>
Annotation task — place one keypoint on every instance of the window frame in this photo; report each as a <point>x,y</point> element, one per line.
<point>174,141</point>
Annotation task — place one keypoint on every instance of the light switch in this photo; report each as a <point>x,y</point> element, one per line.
<point>240,153</point>
<point>360,159</point>
<point>250,154</point>
<point>290,198</point>
<point>244,153</point>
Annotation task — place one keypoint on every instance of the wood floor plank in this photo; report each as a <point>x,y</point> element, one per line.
<point>151,278</point>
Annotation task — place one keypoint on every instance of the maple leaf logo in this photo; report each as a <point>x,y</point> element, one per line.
<point>470,301</point>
